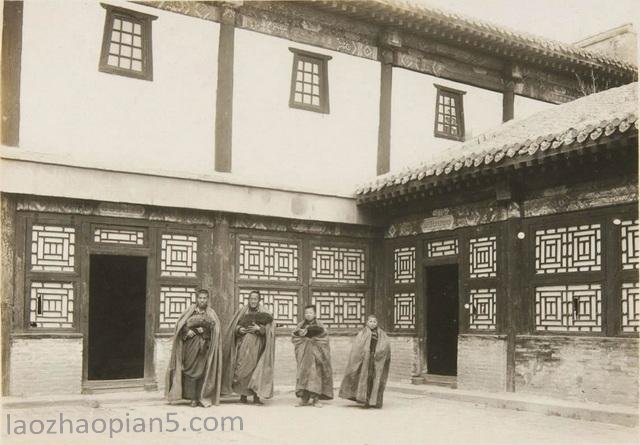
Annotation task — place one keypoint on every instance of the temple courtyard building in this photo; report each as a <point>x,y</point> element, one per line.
<point>472,186</point>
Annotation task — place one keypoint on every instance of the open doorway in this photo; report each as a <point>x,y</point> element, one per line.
<point>117,297</point>
<point>442,319</point>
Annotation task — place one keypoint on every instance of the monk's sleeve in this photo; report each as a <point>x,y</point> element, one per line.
<point>262,331</point>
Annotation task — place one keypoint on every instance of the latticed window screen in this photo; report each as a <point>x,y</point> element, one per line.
<point>338,265</point>
<point>309,83</point>
<point>449,114</point>
<point>482,309</point>
<point>568,249</point>
<point>282,303</point>
<point>340,309</point>
<point>404,265</point>
<point>404,310</point>
<point>630,307</point>
<point>126,48</point>
<point>51,304</point>
<point>576,307</point>
<point>630,245</point>
<point>174,300</point>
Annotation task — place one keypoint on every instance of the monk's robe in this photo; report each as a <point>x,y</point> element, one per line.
<point>194,370</point>
<point>248,358</point>
<point>368,368</point>
<point>314,377</point>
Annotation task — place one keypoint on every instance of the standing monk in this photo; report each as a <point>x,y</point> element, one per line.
<point>249,350</point>
<point>194,370</point>
<point>368,368</point>
<point>314,378</point>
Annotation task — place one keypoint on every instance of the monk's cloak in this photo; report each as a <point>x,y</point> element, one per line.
<point>313,357</point>
<point>210,392</point>
<point>366,375</point>
<point>259,367</point>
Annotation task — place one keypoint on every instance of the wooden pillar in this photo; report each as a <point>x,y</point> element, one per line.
<point>7,246</point>
<point>224,92</point>
<point>11,67</point>
<point>508,98</point>
<point>223,299</point>
<point>384,126</point>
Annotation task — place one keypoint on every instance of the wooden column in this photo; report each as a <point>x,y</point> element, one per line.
<point>224,94</point>
<point>7,246</point>
<point>11,67</point>
<point>223,259</point>
<point>508,98</point>
<point>384,126</point>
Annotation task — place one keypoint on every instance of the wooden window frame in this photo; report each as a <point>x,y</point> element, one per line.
<point>322,61</point>
<point>145,21</point>
<point>457,96</point>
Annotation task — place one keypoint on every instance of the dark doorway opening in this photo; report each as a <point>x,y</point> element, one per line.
<point>117,298</point>
<point>442,319</point>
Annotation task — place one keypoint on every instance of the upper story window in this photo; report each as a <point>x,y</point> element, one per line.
<point>449,121</point>
<point>309,83</point>
<point>126,43</point>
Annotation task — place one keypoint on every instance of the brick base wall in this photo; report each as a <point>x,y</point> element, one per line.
<point>41,366</point>
<point>161,355</point>
<point>593,369</point>
<point>482,362</point>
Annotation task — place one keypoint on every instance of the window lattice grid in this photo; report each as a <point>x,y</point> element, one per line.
<point>283,304</point>
<point>52,248</point>
<point>340,309</point>
<point>404,310</point>
<point>404,265</point>
<point>268,260</point>
<point>125,43</point>
<point>568,249</point>
<point>569,308</point>
<point>630,307</point>
<point>439,248</point>
<point>449,117</point>
<point>307,81</point>
<point>118,236</point>
<point>178,255</point>
<point>174,300</point>
<point>630,245</point>
<point>483,257</point>
<point>51,305</point>
<point>338,265</point>
<point>482,313</point>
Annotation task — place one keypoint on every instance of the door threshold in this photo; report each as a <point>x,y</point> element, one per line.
<point>119,385</point>
<point>447,381</point>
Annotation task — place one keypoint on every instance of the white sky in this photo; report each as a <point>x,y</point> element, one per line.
<point>564,20</point>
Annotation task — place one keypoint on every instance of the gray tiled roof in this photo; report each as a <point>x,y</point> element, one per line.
<point>500,34</point>
<point>590,117</point>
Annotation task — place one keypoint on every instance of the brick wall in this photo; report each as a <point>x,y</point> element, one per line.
<point>45,366</point>
<point>482,362</point>
<point>594,369</point>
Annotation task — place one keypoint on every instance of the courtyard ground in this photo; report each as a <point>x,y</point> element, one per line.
<point>404,419</point>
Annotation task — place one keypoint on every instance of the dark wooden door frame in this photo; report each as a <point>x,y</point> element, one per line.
<point>149,372</point>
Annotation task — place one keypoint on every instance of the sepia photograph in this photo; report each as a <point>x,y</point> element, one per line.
<point>301,222</point>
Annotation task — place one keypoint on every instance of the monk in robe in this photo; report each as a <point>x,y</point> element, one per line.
<point>368,368</point>
<point>194,371</point>
<point>249,351</point>
<point>314,377</point>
